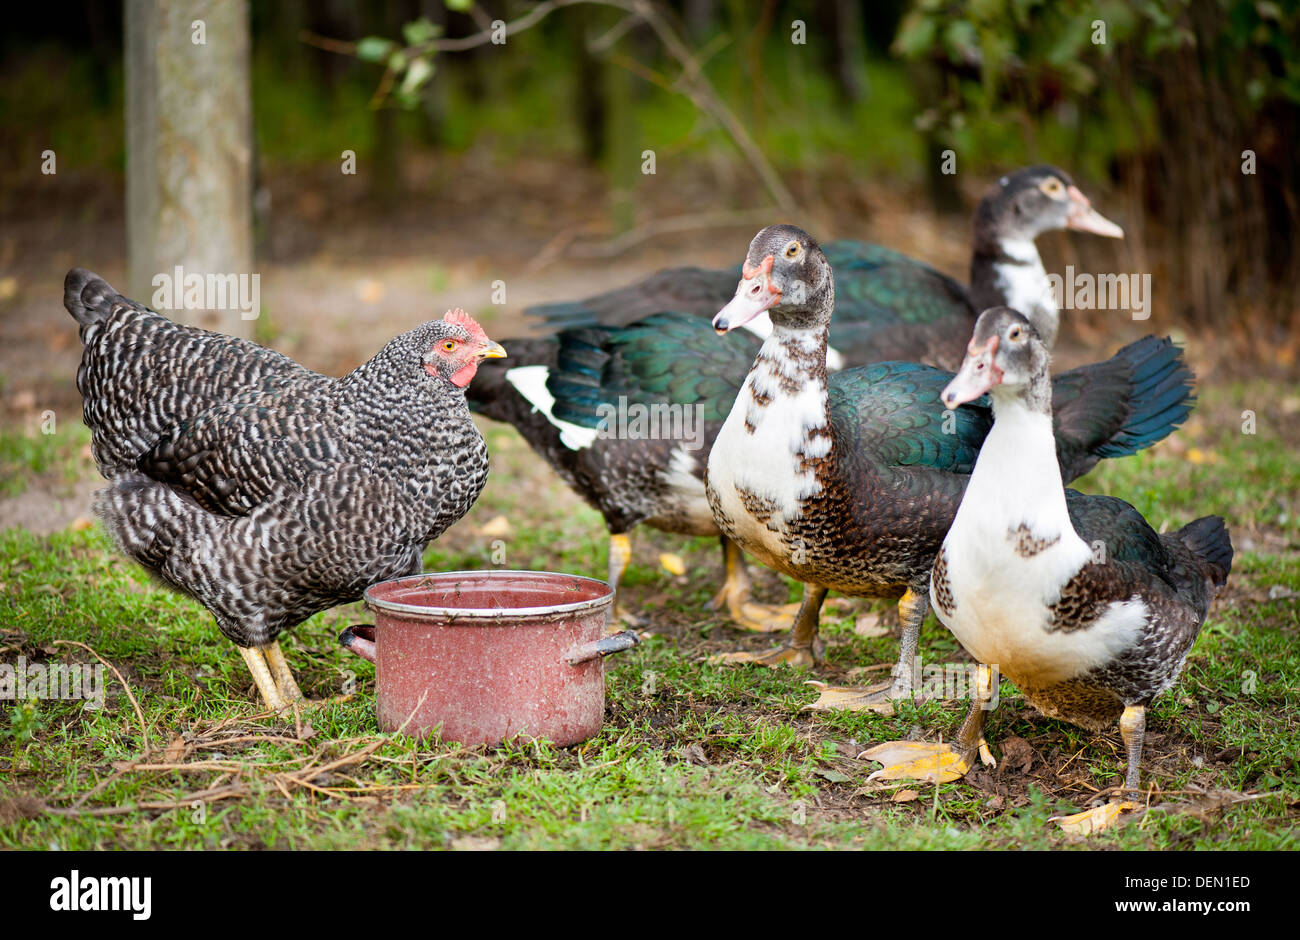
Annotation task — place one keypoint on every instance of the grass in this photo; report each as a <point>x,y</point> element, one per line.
<point>27,453</point>
<point>692,755</point>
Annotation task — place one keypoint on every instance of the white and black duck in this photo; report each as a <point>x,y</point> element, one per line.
<point>1073,597</point>
<point>888,305</point>
<point>850,481</point>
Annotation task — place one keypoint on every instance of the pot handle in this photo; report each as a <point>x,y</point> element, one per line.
<point>614,643</point>
<point>360,639</point>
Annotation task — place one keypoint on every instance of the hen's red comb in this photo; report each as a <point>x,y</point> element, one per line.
<point>463,319</point>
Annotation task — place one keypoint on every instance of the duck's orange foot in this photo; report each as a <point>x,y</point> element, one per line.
<point>781,656</point>
<point>1105,816</point>
<point>920,760</point>
<point>878,698</point>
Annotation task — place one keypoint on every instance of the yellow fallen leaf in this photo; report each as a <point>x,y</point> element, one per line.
<point>499,525</point>
<point>1198,456</point>
<point>673,564</point>
<point>905,796</point>
<point>8,287</point>
<point>80,524</point>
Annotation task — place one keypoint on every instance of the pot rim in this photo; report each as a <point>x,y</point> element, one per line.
<point>448,614</point>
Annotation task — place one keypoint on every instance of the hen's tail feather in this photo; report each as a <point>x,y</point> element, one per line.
<point>88,297</point>
<point>1208,539</point>
<point>1159,396</point>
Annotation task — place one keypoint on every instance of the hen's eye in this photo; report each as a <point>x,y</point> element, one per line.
<point>450,345</point>
<point>792,250</point>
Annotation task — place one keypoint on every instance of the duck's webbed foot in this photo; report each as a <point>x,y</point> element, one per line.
<point>939,763</point>
<point>735,597</point>
<point>1132,726</point>
<point>912,607</point>
<point>802,649</point>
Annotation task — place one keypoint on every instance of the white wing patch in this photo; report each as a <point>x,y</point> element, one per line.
<point>530,381</point>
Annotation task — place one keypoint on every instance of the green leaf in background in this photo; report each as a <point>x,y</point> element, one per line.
<point>459,6</point>
<point>374,48</point>
<point>418,32</point>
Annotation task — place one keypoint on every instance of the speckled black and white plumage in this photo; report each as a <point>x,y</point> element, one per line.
<point>1101,616</point>
<point>264,490</point>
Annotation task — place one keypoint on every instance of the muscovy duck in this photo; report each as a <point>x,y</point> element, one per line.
<point>1074,598</point>
<point>561,392</point>
<point>887,305</point>
<point>263,490</point>
<point>849,482</point>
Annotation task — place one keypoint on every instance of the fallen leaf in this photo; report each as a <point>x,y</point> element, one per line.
<point>494,527</point>
<point>695,755</point>
<point>80,524</point>
<point>834,776</point>
<point>870,624</point>
<point>673,564</point>
<point>174,751</point>
<point>1017,754</point>
<point>905,796</point>
<point>307,733</point>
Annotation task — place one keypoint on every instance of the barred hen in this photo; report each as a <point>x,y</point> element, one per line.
<point>266,491</point>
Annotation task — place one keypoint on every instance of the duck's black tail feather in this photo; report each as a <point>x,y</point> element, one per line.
<point>1207,538</point>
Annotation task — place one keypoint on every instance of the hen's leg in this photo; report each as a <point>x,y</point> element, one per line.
<point>255,659</point>
<point>801,649</point>
<point>912,608</point>
<point>281,673</point>
<point>736,592</point>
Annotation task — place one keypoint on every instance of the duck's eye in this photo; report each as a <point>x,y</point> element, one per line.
<point>792,250</point>
<point>1015,334</point>
<point>450,345</point>
<point>1053,187</point>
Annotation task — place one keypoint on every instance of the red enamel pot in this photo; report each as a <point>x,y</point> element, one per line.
<point>484,655</point>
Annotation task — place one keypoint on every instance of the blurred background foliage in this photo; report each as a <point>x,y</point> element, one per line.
<point>1157,115</point>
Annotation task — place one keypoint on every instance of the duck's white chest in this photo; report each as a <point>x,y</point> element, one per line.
<point>1010,552</point>
<point>759,473</point>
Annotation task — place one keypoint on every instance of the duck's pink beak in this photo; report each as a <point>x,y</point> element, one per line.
<point>979,373</point>
<point>754,294</point>
<point>1084,218</point>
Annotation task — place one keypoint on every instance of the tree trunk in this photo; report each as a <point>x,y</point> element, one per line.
<point>189,158</point>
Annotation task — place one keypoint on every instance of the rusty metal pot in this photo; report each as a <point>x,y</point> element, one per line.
<point>489,654</point>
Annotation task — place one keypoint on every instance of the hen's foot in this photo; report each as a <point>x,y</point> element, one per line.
<point>255,659</point>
